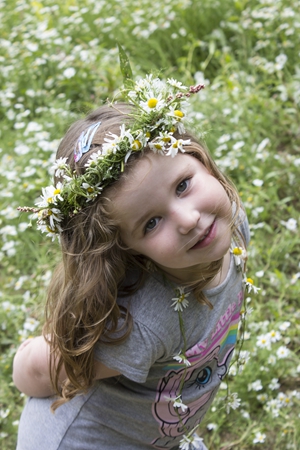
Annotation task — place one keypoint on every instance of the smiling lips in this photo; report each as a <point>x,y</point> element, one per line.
<point>207,238</point>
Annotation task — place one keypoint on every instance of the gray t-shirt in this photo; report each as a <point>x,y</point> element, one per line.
<point>134,411</point>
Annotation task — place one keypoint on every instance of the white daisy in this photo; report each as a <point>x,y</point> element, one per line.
<point>282,352</point>
<point>91,191</point>
<point>188,442</point>
<point>59,167</point>
<point>152,103</point>
<point>50,195</point>
<point>94,158</point>
<point>177,144</point>
<point>232,401</point>
<point>178,403</point>
<point>181,358</point>
<point>259,438</point>
<point>249,284</point>
<point>239,254</point>
<point>180,302</point>
<point>113,145</point>
<point>176,84</point>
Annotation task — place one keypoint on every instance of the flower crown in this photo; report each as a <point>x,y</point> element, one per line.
<point>159,110</point>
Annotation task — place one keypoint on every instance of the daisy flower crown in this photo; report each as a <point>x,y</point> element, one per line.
<point>158,112</point>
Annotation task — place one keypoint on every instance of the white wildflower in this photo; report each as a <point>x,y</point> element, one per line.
<point>177,144</point>
<point>274,384</point>
<point>257,182</point>
<point>181,358</point>
<point>284,325</point>
<point>272,360</point>
<point>188,442</point>
<point>180,302</point>
<point>59,167</point>
<point>30,324</point>
<point>249,284</point>
<point>255,386</point>
<point>232,401</point>
<point>69,72</point>
<point>262,398</point>
<point>259,438</point>
<point>274,336</point>
<point>264,341</point>
<point>176,84</point>
<point>50,195</point>
<point>91,191</point>
<point>177,402</point>
<point>290,225</point>
<point>282,352</point>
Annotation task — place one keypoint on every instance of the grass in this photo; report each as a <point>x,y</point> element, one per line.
<point>59,61</point>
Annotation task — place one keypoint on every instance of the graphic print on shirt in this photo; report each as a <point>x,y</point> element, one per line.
<point>209,364</point>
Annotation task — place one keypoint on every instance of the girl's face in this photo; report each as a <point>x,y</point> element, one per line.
<point>175,213</point>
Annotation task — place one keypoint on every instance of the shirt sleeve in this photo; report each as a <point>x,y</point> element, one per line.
<point>133,357</point>
<point>244,226</point>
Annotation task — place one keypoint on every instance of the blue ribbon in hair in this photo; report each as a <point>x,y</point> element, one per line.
<point>84,141</point>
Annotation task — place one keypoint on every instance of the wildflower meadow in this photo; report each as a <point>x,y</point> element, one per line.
<point>58,61</point>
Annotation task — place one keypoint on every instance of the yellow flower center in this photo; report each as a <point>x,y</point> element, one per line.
<point>152,102</point>
<point>136,145</point>
<point>181,298</point>
<point>166,139</point>
<point>178,113</point>
<point>175,145</point>
<point>237,251</point>
<point>249,280</point>
<point>57,191</point>
<point>50,199</point>
<point>158,146</point>
<point>90,190</point>
<point>148,134</point>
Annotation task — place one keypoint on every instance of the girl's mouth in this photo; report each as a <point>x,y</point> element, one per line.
<point>208,237</point>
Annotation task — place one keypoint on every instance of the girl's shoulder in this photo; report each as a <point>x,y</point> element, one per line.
<point>243,225</point>
<point>152,298</point>
<point>154,334</point>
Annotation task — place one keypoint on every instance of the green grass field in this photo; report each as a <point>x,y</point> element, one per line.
<point>58,61</point>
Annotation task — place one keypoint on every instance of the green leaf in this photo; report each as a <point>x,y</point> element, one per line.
<point>125,68</point>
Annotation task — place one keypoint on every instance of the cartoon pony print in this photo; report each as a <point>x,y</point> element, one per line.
<point>204,375</point>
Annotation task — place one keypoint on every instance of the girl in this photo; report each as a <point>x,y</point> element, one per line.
<point>142,313</point>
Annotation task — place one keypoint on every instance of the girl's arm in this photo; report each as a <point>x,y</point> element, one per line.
<point>31,368</point>
<point>31,373</point>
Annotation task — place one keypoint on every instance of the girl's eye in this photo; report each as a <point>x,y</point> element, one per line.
<point>151,224</point>
<point>182,186</point>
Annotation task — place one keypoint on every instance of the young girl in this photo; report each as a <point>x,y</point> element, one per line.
<point>142,313</point>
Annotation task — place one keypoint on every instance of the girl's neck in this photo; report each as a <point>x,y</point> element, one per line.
<point>195,274</point>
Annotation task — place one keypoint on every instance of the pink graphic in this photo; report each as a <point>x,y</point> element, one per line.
<point>204,375</point>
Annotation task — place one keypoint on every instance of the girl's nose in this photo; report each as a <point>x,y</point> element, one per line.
<point>187,220</point>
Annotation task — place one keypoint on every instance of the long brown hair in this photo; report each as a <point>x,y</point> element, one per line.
<point>81,306</point>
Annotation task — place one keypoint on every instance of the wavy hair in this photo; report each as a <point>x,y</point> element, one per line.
<point>81,306</point>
